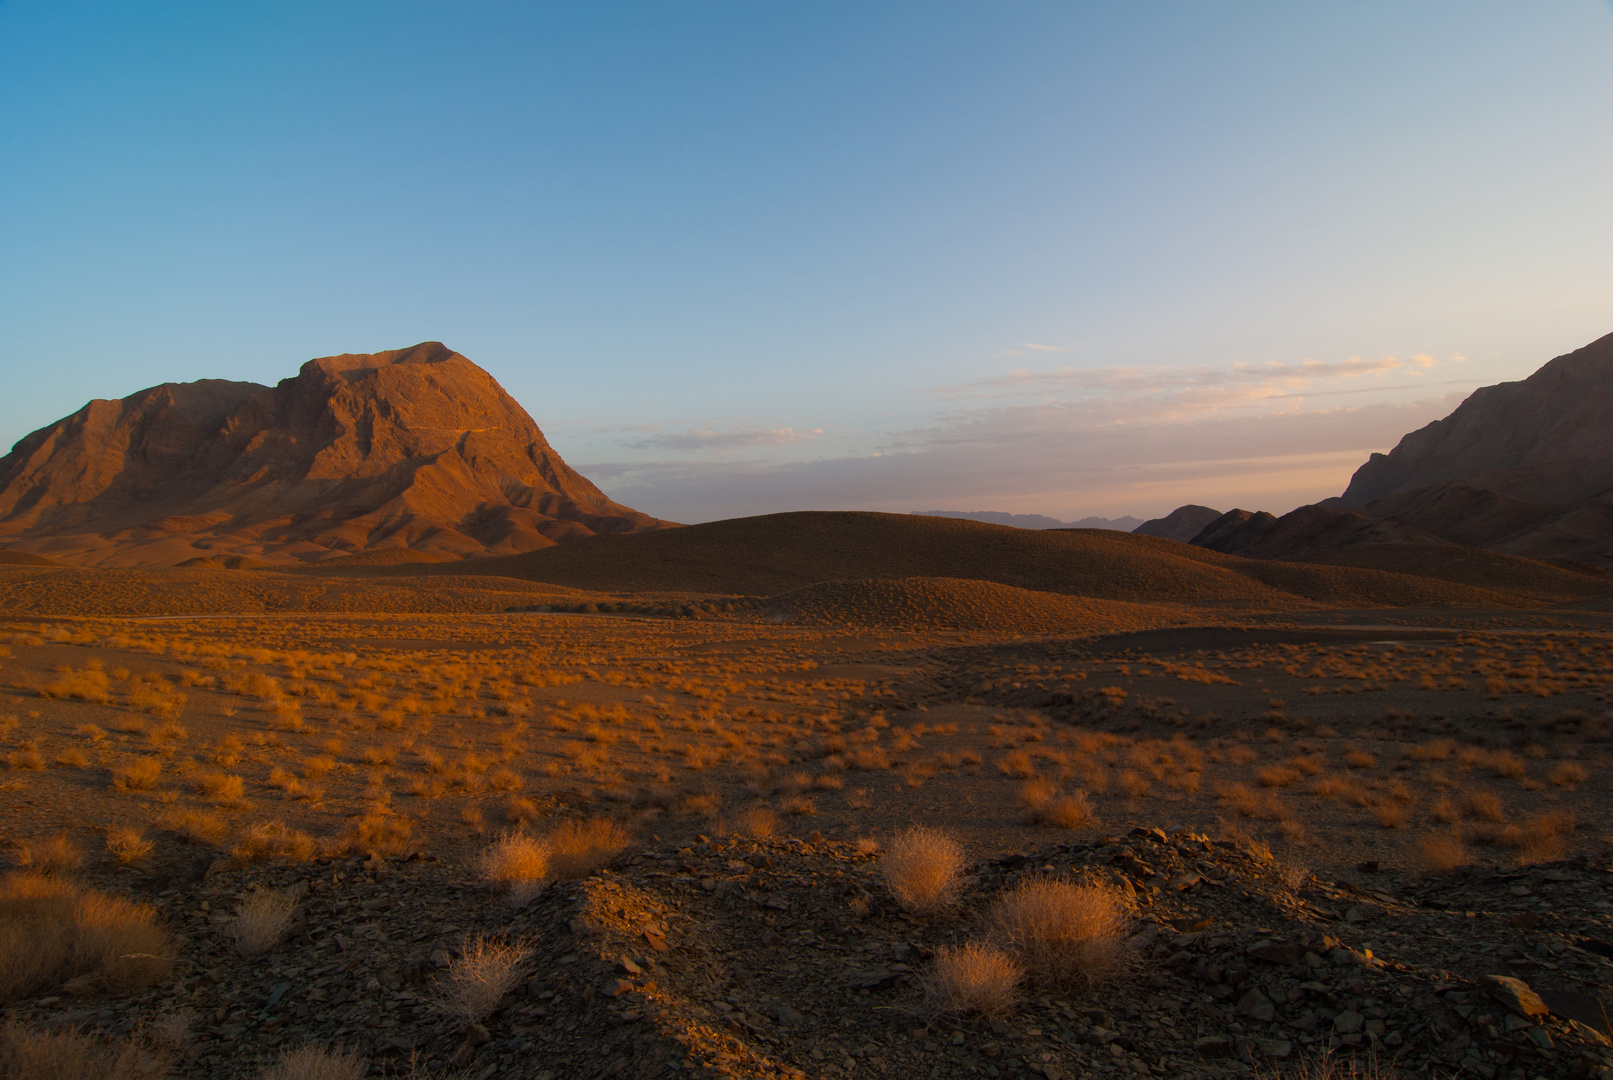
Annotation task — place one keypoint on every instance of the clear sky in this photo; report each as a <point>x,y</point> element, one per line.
<point>1055,258</point>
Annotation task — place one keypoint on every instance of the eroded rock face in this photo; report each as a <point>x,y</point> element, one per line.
<point>416,448</point>
<point>1524,468</point>
<point>1548,438</point>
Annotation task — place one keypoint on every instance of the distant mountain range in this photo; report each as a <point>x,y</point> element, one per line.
<point>1035,521</point>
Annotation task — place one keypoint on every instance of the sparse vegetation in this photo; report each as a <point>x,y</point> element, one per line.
<point>261,921</point>
<point>1066,935</point>
<point>921,867</point>
<point>55,936</point>
<point>975,978</point>
<point>486,970</point>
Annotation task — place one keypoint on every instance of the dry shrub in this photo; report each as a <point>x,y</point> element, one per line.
<point>54,936</point>
<point>197,826</point>
<point>922,868</point>
<point>1360,759</point>
<point>1541,838</point>
<point>1438,750</point>
<point>1445,812</point>
<point>221,787</point>
<point>758,821</point>
<point>705,804</point>
<point>578,848</point>
<point>316,1063</point>
<point>1134,784</point>
<point>1390,815</point>
<point>476,982</point>
<point>505,780</point>
<point>261,921</point>
<point>380,834</point>
<point>72,1054</point>
<point>870,758</point>
<point>975,978</point>
<point>799,805</point>
<point>136,774</point>
<point>1066,935</point>
<point>127,845</point>
<point>1444,851</point>
<point>1016,763</point>
<point>56,854</point>
<point>1483,806</point>
<point>1044,802</point>
<point>518,863</point>
<point>72,758</point>
<point>1507,764</point>
<point>1568,774</point>
<point>273,840</point>
<point>1278,776</point>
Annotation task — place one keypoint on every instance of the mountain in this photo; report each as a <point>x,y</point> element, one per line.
<point>417,448</point>
<point>1033,521</point>
<point>1183,523</point>
<point>1520,467</point>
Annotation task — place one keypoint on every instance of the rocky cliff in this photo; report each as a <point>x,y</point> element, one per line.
<point>417,448</point>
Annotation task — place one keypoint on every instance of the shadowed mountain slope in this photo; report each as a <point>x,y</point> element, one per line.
<point>777,553</point>
<point>1183,523</point>
<point>1522,467</point>
<point>417,448</point>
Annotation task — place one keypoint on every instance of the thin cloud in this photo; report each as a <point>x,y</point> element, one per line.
<point>719,440</point>
<point>1161,393</point>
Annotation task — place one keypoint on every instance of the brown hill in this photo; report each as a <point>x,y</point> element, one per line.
<point>417,448</point>
<point>777,553</point>
<point>955,604</point>
<point>1183,523</point>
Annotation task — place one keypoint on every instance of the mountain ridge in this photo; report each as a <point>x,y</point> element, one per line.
<point>417,448</point>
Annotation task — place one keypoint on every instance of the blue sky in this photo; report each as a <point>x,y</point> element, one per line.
<point>734,258</point>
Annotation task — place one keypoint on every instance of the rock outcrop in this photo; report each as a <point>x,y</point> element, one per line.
<point>417,448</point>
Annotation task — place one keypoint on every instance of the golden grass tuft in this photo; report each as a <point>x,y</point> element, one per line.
<point>379,833</point>
<point>517,863</point>
<point>197,826</point>
<point>56,854</point>
<point>1066,935</point>
<point>922,868</point>
<point>136,774</point>
<point>266,841</point>
<point>222,788</point>
<point>975,978</point>
<point>578,848</point>
<point>1568,774</point>
<point>56,937</point>
<point>477,981</point>
<point>313,1062</point>
<point>127,845</point>
<point>1444,851</point>
<point>72,1054</point>
<point>261,921</point>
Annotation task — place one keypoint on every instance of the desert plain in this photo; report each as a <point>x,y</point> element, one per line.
<point>639,805</point>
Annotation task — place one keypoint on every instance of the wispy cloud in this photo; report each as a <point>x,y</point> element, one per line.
<point>1033,459</point>
<point>715,439</point>
<point>1158,394</point>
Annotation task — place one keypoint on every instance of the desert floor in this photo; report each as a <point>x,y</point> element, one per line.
<point>187,760</point>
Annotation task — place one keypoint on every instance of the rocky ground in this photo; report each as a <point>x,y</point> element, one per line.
<point>755,958</point>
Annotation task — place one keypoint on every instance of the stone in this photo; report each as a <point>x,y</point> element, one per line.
<point>1257,1006</point>
<point>1213,1046</point>
<point>787,1015</point>
<point>1348,1022</point>
<point>629,966</point>
<point>1515,994</point>
<point>1273,952</point>
<point>1277,1049</point>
